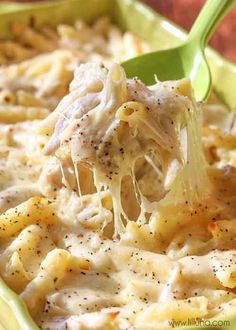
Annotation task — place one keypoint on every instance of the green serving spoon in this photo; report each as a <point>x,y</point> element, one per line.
<point>186,60</point>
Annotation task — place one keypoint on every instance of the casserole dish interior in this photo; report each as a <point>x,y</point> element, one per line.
<point>128,15</point>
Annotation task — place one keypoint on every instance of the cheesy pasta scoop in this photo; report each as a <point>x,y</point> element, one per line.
<point>115,126</point>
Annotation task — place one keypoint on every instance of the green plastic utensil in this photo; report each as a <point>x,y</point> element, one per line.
<point>186,60</point>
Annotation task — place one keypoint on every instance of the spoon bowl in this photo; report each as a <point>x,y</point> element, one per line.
<point>172,64</point>
<point>187,60</point>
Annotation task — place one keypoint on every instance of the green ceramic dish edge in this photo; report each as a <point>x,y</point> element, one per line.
<point>136,17</point>
<point>13,312</point>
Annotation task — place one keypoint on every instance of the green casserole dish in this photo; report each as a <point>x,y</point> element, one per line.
<point>160,33</point>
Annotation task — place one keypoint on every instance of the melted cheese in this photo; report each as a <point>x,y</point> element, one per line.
<point>109,124</point>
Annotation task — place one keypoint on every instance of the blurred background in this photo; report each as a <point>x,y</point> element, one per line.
<point>184,12</point>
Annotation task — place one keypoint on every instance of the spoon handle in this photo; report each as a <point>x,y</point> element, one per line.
<point>208,19</point>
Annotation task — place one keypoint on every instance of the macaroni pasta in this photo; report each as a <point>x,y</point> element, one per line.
<point>118,208</point>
